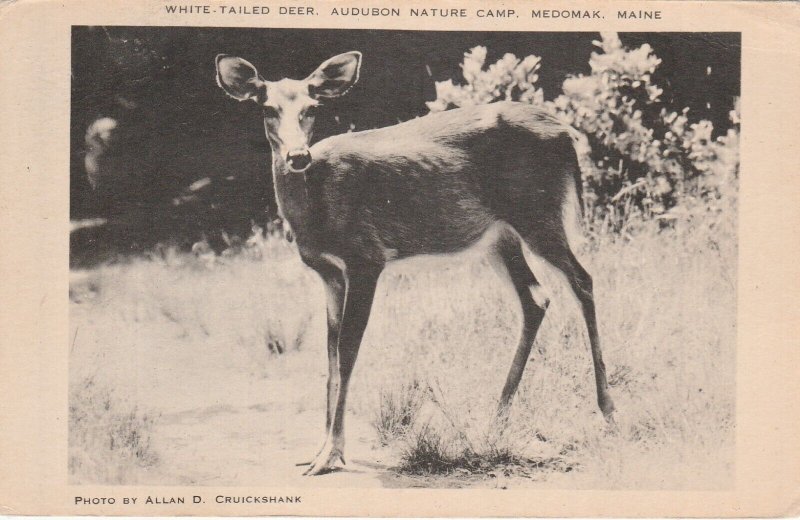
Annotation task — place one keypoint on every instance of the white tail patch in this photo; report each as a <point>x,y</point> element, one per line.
<point>572,216</point>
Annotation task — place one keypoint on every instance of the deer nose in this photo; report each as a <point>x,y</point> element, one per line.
<point>298,160</point>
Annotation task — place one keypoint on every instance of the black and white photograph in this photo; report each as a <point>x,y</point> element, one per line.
<point>356,258</point>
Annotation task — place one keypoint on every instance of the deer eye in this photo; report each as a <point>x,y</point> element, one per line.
<point>269,112</point>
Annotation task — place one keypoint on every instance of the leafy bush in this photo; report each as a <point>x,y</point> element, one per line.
<point>510,79</point>
<point>640,157</point>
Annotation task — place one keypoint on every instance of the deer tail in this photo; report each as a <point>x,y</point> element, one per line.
<point>573,209</point>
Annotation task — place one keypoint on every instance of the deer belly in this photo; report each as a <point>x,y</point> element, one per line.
<point>428,217</point>
<point>463,251</point>
<point>432,237</point>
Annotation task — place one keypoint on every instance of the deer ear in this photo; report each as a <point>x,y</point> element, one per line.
<point>336,76</point>
<point>238,78</point>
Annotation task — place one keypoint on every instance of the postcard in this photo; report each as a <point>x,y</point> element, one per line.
<point>371,258</point>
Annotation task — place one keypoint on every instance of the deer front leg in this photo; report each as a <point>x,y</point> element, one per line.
<point>334,282</point>
<point>359,291</point>
<point>335,293</point>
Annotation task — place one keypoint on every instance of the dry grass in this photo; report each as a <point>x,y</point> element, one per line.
<point>666,304</point>
<point>110,440</point>
<point>436,353</point>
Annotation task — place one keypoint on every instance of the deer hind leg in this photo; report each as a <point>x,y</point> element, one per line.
<point>359,291</point>
<point>510,255</point>
<point>555,250</point>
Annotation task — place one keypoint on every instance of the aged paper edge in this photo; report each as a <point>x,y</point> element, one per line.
<point>34,204</point>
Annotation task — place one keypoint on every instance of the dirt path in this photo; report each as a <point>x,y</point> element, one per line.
<point>223,415</point>
<point>254,429</point>
<point>260,445</point>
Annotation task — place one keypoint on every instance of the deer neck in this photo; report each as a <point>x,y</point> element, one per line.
<point>291,194</point>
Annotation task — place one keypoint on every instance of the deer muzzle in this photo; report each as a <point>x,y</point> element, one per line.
<point>298,160</point>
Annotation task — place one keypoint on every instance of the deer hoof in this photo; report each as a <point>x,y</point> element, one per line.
<point>326,459</point>
<point>605,403</point>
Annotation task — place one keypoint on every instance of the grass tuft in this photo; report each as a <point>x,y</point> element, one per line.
<point>397,411</point>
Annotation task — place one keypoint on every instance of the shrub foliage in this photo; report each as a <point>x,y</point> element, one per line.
<point>640,156</point>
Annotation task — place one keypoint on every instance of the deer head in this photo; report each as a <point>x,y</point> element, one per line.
<point>289,105</point>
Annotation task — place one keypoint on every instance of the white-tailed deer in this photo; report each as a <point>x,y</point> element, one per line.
<point>494,176</point>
